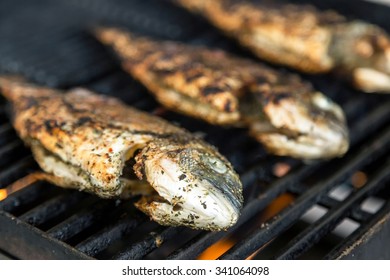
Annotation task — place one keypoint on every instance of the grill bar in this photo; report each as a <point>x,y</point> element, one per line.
<point>371,123</point>
<point>100,241</point>
<point>316,231</point>
<point>61,53</point>
<point>360,216</point>
<point>154,240</point>
<point>10,151</point>
<point>205,239</point>
<point>353,108</point>
<point>363,235</point>
<point>6,133</point>
<point>51,208</point>
<point>282,185</point>
<point>357,214</point>
<point>80,221</point>
<point>17,170</point>
<point>196,246</point>
<point>22,199</point>
<point>32,245</point>
<point>257,239</point>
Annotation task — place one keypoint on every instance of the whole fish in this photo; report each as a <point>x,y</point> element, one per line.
<point>96,143</point>
<point>281,111</point>
<point>304,38</point>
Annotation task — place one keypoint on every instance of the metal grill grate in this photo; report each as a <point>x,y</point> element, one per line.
<point>48,42</point>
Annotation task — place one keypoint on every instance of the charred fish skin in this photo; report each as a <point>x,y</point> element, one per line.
<point>304,38</point>
<point>362,53</point>
<point>166,68</point>
<point>304,124</point>
<point>287,115</point>
<point>84,141</point>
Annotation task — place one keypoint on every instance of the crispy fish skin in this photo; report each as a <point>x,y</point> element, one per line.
<point>281,111</point>
<point>167,68</point>
<point>87,142</point>
<point>304,38</point>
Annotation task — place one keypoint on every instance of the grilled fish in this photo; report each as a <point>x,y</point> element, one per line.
<point>304,38</point>
<point>98,144</point>
<point>281,111</point>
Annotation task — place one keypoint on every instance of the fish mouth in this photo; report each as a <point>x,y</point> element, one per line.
<point>198,198</point>
<point>311,129</point>
<point>305,147</point>
<point>371,80</point>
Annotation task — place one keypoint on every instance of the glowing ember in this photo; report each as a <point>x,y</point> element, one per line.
<point>251,257</point>
<point>217,249</point>
<point>359,179</point>
<point>272,210</point>
<point>277,205</point>
<point>281,169</point>
<point>3,194</point>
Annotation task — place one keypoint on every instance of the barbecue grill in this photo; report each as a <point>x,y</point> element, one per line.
<point>293,210</point>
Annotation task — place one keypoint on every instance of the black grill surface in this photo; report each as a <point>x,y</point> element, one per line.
<point>48,42</point>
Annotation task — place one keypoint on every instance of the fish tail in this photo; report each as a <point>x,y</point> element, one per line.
<point>128,46</point>
<point>196,5</point>
<point>14,87</point>
<point>11,86</point>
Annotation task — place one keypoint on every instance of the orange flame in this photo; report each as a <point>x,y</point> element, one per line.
<point>217,249</point>
<point>223,245</point>
<point>3,194</point>
<point>273,209</point>
<point>277,205</point>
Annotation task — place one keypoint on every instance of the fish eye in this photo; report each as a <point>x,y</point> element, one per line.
<point>320,101</point>
<point>215,164</point>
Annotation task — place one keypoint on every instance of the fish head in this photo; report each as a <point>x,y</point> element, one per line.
<point>195,185</point>
<point>307,126</point>
<point>373,53</point>
<point>365,50</point>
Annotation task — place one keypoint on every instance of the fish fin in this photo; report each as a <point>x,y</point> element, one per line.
<point>15,87</point>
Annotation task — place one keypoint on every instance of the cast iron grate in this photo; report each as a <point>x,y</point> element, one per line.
<point>48,42</point>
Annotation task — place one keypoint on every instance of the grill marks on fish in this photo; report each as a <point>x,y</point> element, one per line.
<point>222,89</point>
<point>87,141</point>
<point>304,38</point>
<point>180,75</point>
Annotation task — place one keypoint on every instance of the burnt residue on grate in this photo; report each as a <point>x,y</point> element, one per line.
<point>290,209</point>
